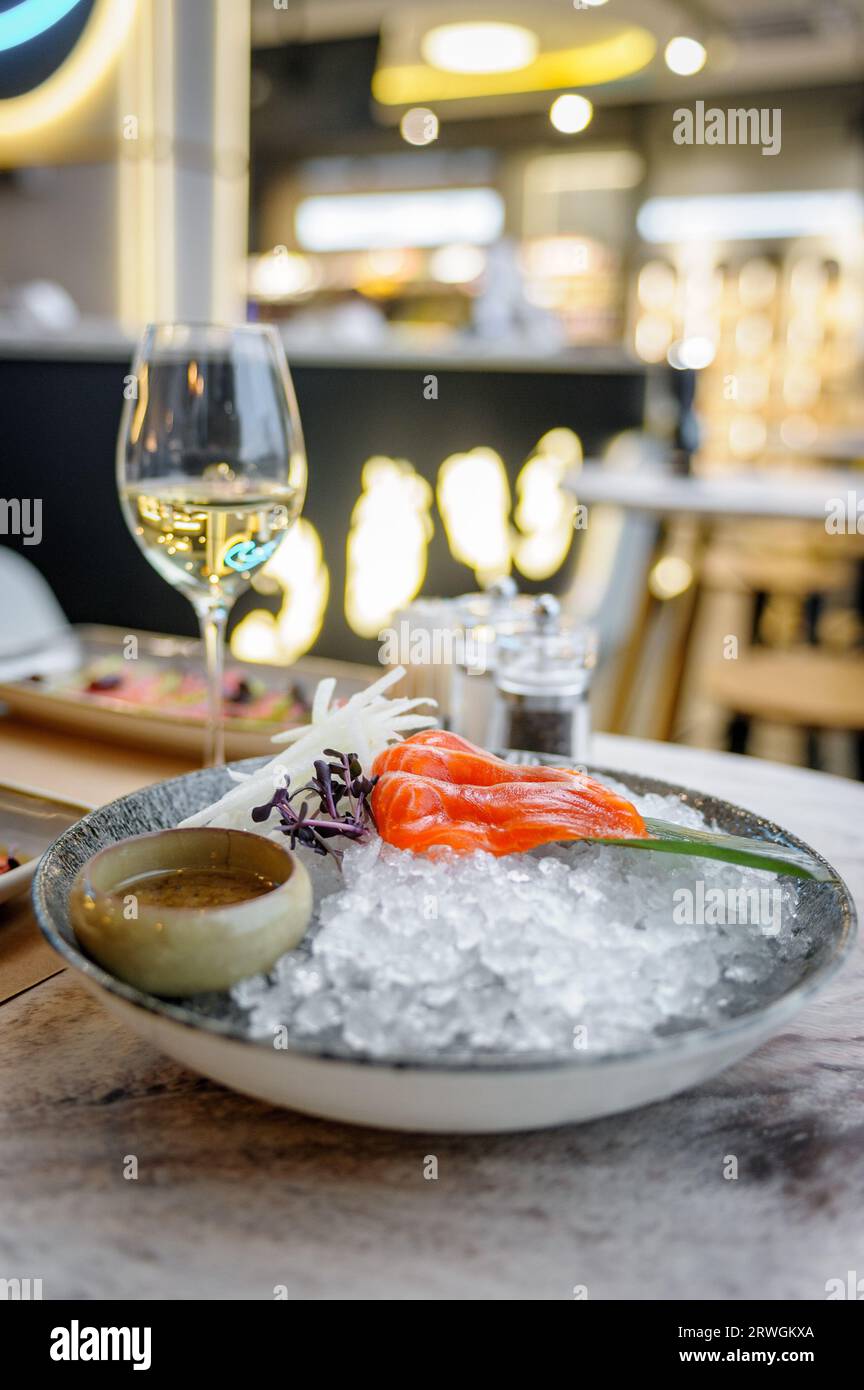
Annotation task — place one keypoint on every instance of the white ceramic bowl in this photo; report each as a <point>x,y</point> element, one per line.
<point>463,1094</point>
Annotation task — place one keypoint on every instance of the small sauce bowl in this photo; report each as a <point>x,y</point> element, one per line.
<point>190,949</point>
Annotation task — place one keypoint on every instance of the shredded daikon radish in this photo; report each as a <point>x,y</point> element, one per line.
<point>364,725</point>
<point>321,701</point>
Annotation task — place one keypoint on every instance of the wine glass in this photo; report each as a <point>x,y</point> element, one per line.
<point>211,469</point>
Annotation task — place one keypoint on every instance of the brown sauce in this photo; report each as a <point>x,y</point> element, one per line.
<point>215,887</point>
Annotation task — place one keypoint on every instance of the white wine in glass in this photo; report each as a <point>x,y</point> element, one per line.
<point>211,470</point>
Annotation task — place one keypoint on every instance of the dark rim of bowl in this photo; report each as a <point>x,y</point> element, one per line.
<point>685,1043</point>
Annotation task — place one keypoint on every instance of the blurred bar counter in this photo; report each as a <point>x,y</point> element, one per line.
<point>60,401</point>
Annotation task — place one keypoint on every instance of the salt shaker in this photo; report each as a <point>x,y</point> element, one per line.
<point>486,620</point>
<point>542,681</point>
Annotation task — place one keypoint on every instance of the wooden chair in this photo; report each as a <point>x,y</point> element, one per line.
<point>807,687</point>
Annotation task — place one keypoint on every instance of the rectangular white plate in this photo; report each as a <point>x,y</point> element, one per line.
<point>29,821</point>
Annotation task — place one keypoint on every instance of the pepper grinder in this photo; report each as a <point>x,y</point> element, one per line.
<point>542,680</point>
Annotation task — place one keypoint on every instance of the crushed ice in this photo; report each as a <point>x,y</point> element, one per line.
<point>583,948</point>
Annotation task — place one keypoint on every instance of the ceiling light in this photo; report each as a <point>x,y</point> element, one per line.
<point>281,274</point>
<point>748,435</point>
<point>571,113</point>
<point>489,47</point>
<point>685,56</point>
<point>554,174</point>
<point>656,285</point>
<point>620,53</point>
<point>651,337</point>
<point>419,126</point>
<point>746,216</point>
<point>416,217</point>
<point>670,577</point>
<point>691,353</point>
<point>457,265</point>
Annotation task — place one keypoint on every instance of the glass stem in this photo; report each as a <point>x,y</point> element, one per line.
<point>213,618</point>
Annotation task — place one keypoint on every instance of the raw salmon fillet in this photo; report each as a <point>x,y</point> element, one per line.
<point>436,789</point>
<point>435,753</point>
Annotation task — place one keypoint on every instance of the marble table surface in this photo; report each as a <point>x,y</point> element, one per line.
<point>233,1199</point>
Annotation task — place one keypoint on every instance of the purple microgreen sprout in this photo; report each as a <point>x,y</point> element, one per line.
<point>334,782</point>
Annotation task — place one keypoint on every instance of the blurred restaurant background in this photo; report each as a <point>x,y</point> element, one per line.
<point>542,325</point>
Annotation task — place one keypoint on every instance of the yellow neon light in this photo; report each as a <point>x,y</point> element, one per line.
<point>544,510</point>
<point>297,570</point>
<point>625,53</point>
<point>387,543</point>
<point>76,78</point>
<point>474,501</point>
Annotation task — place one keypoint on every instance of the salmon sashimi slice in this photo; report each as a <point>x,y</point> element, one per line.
<point>420,813</point>
<point>449,758</point>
